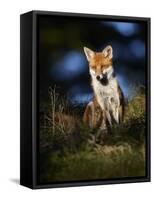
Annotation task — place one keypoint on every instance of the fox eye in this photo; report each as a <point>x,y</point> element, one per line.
<point>92,66</point>
<point>104,67</point>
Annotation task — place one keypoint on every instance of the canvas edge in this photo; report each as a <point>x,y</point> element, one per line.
<point>25,100</point>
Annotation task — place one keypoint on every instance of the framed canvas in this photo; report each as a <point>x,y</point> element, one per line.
<point>85,99</point>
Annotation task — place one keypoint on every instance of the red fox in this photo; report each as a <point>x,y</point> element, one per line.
<point>107,106</point>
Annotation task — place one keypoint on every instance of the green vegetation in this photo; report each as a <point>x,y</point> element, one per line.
<point>69,151</point>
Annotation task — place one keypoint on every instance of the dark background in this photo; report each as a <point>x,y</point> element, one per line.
<point>62,61</point>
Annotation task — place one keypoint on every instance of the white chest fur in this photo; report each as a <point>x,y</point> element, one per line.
<point>108,98</point>
<point>105,94</point>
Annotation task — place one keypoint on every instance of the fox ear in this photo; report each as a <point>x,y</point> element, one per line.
<point>108,52</point>
<point>89,53</point>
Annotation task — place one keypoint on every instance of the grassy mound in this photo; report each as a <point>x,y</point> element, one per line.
<point>68,150</point>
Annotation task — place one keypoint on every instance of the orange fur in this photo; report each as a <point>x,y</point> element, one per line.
<point>100,62</point>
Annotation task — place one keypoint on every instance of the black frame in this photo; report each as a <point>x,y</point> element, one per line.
<point>29,101</point>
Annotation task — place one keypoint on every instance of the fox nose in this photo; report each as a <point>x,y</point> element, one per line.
<point>98,77</point>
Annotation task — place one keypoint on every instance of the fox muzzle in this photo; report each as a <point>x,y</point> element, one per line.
<point>102,78</point>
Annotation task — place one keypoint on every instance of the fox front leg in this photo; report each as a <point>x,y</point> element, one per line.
<point>108,116</point>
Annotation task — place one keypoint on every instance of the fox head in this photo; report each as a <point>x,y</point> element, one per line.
<point>100,64</point>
